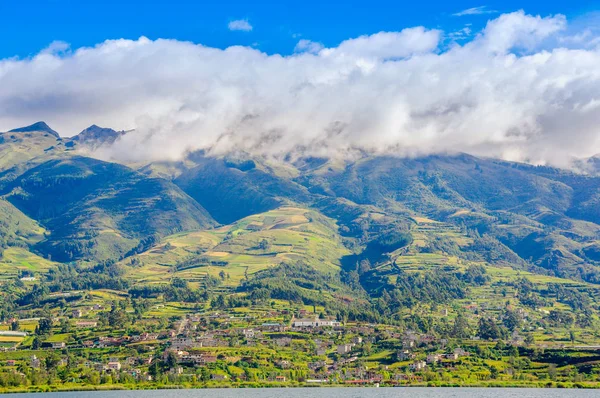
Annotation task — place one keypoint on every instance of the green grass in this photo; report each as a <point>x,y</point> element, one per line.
<point>292,234</point>
<point>17,259</point>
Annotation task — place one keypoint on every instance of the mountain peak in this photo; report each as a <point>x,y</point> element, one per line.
<point>96,135</point>
<point>94,128</point>
<point>38,126</point>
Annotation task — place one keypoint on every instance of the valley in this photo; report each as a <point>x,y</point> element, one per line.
<point>236,270</point>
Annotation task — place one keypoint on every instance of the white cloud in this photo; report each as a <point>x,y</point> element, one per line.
<point>57,47</point>
<point>461,34</point>
<point>504,92</point>
<point>308,46</point>
<point>389,45</point>
<point>520,31</point>
<point>475,11</point>
<point>240,24</point>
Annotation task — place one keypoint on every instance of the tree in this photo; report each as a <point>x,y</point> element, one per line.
<point>44,326</point>
<point>154,369</point>
<point>14,326</point>
<point>460,330</point>
<point>117,318</point>
<point>488,330</point>
<point>511,320</point>
<point>171,360</point>
<point>561,318</point>
<point>529,340</point>
<point>364,266</point>
<point>179,283</point>
<point>264,244</point>
<point>493,372</point>
<point>219,302</point>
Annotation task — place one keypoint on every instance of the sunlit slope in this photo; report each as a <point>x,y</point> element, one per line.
<point>286,234</point>
<point>17,233</point>
<point>96,210</point>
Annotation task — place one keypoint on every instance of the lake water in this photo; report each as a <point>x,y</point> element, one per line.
<point>412,392</point>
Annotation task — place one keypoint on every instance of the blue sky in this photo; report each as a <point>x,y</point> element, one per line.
<point>28,26</point>
<point>415,78</point>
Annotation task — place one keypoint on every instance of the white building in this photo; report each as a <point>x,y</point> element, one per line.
<point>418,365</point>
<point>344,348</point>
<point>114,365</point>
<point>314,323</point>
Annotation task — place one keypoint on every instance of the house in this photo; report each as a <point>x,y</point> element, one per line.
<point>417,366</point>
<point>13,333</point>
<point>272,327</point>
<point>57,345</point>
<point>145,337</point>
<point>11,362</point>
<point>283,364</point>
<point>248,333</point>
<point>433,358</point>
<point>35,362</point>
<point>104,342</point>
<point>204,359</point>
<point>427,338</point>
<point>461,353</point>
<point>344,348</point>
<point>114,365</point>
<point>314,323</point>
<point>516,338</point>
<point>280,378</point>
<point>405,355</point>
<point>86,324</point>
<point>183,343</point>
<point>218,377</point>
<point>317,365</point>
<point>357,340</point>
<point>283,342</point>
<point>77,313</point>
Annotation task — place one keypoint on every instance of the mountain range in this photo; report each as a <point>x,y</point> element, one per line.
<point>63,205</point>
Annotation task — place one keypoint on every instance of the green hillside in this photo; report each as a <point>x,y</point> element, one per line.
<point>241,249</point>
<point>96,210</point>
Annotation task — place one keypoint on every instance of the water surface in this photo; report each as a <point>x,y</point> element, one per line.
<point>325,392</point>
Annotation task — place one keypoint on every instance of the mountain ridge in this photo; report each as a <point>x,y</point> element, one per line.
<point>35,127</point>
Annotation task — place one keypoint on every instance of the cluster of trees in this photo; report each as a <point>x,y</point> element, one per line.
<point>178,290</point>
<point>105,275</point>
<point>295,282</point>
<point>431,287</point>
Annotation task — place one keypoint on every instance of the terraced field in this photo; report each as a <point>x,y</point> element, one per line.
<point>286,234</point>
<point>17,259</point>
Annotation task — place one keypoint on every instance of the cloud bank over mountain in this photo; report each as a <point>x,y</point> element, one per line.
<point>525,88</point>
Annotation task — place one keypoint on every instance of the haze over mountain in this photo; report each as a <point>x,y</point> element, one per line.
<point>541,219</point>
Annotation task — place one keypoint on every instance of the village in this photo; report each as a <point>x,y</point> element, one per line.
<point>211,347</point>
<point>223,348</point>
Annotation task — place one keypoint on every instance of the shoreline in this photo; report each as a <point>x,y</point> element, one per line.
<point>120,387</point>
